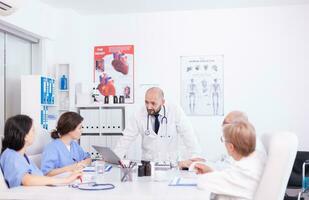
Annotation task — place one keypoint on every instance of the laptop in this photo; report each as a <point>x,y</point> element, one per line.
<point>107,154</point>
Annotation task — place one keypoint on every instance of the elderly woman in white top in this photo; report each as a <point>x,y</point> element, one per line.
<point>240,180</point>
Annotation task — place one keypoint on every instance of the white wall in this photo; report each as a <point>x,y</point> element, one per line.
<point>265,50</point>
<point>37,19</point>
<point>61,32</point>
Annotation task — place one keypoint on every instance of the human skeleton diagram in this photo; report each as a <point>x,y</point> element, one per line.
<point>204,87</point>
<point>215,96</point>
<point>192,95</point>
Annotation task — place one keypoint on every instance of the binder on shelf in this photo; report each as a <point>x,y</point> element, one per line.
<point>48,91</point>
<point>44,114</point>
<point>46,119</point>
<point>91,120</point>
<point>95,121</point>
<point>102,121</point>
<point>108,120</point>
<point>53,92</point>
<point>86,123</point>
<point>117,120</point>
<point>43,90</point>
<point>41,116</point>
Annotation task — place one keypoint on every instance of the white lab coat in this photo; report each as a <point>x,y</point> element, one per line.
<point>165,144</point>
<point>237,182</point>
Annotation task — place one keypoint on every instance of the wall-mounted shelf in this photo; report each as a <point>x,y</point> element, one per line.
<point>63,90</point>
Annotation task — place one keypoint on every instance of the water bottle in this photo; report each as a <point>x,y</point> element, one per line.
<point>121,99</point>
<point>305,181</point>
<point>115,99</point>
<point>63,83</point>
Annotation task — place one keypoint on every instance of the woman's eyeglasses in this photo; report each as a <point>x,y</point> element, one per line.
<point>223,140</point>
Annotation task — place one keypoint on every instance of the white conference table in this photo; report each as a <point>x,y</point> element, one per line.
<point>140,188</point>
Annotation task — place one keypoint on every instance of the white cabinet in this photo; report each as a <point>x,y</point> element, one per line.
<point>102,125</point>
<point>38,100</point>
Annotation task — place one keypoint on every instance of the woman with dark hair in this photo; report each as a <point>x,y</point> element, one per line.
<point>64,154</point>
<point>17,168</point>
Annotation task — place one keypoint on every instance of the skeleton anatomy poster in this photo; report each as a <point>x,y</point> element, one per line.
<point>114,71</point>
<point>202,85</point>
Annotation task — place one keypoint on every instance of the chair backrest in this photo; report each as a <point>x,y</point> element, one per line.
<point>35,151</point>
<point>297,170</point>
<point>3,185</point>
<point>281,148</point>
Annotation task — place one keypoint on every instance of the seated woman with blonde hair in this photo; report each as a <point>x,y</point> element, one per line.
<point>240,180</point>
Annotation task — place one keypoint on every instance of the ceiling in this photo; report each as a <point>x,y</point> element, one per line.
<point>90,7</point>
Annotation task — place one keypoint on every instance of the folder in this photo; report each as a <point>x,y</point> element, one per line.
<point>49,91</point>
<point>53,92</point>
<point>43,90</point>
<point>107,168</point>
<point>41,116</point>
<point>179,181</point>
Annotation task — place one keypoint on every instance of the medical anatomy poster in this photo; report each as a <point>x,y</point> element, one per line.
<point>202,85</point>
<point>114,71</point>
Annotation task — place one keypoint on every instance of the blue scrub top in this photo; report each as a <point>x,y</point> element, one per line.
<point>14,166</point>
<point>56,155</point>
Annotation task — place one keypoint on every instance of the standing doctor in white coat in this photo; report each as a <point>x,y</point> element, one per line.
<point>161,127</point>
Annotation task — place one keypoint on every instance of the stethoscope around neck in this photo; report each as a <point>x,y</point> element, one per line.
<point>163,119</point>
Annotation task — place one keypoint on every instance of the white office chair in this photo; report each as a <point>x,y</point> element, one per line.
<point>3,185</point>
<point>35,151</point>
<point>281,148</point>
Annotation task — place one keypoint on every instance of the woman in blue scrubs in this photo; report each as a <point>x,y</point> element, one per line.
<point>17,168</point>
<point>64,154</point>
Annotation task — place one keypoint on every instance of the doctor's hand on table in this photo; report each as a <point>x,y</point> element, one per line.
<point>185,164</point>
<point>202,168</point>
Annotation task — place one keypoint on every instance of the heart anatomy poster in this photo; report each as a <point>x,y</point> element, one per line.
<point>114,71</point>
<point>202,85</point>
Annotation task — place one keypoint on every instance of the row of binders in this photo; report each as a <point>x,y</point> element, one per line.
<point>44,117</point>
<point>47,90</point>
<point>109,120</point>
